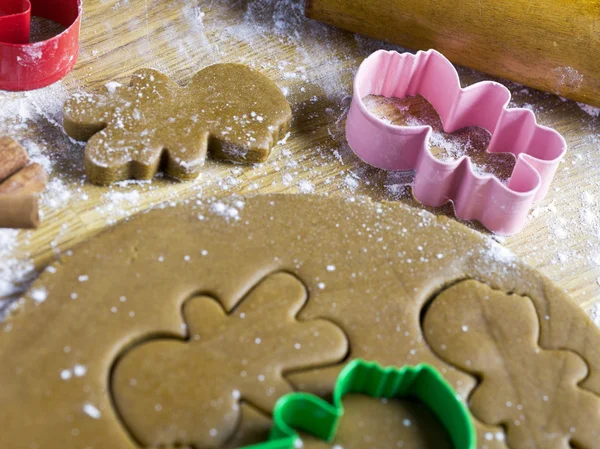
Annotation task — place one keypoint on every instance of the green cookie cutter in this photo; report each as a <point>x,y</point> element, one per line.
<point>313,415</point>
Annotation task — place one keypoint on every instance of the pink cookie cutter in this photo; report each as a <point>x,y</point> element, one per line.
<point>501,208</point>
<point>25,65</point>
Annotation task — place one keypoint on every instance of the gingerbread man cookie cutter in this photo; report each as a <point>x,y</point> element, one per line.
<point>502,208</point>
<point>311,414</point>
<point>25,65</point>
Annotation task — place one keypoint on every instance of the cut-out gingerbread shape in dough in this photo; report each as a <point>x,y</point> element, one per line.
<point>154,124</point>
<point>170,391</point>
<point>370,268</point>
<point>533,392</point>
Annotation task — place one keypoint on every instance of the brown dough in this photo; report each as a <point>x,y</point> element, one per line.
<point>370,269</point>
<point>533,392</point>
<point>384,424</point>
<point>153,124</point>
<point>254,427</point>
<point>242,355</point>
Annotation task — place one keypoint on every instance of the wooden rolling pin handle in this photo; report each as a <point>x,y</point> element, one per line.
<point>550,45</point>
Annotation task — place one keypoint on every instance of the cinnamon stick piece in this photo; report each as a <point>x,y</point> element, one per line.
<point>19,211</point>
<point>31,179</point>
<point>13,157</point>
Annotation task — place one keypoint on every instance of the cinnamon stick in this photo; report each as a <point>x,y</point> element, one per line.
<point>19,211</point>
<point>19,185</point>
<point>13,157</point>
<point>32,179</point>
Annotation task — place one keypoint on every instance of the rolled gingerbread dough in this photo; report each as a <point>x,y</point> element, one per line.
<point>324,279</point>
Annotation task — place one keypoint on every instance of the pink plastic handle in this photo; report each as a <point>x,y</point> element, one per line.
<point>501,208</point>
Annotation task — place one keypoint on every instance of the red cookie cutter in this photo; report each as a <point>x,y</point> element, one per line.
<point>501,208</point>
<point>25,65</point>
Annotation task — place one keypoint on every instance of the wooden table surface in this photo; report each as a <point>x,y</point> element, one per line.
<point>314,65</point>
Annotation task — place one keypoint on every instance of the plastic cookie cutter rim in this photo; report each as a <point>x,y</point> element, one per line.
<point>311,414</point>
<point>501,208</point>
<point>25,65</point>
<point>15,16</point>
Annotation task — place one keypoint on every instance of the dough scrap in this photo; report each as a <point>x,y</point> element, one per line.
<point>153,124</point>
<point>169,391</point>
<point>531,391</point>
<point>369,268</point>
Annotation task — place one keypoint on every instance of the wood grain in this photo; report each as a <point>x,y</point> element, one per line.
<point>550,45</point>
<point>314,64</point>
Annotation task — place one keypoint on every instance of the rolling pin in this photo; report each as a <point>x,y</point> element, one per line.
<point>551,45</point>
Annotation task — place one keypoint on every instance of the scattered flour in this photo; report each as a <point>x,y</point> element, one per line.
<point>91,410</point>
<point>19,111</point>
<point>595,314</point>
<point>567,76</point>
<point>39,294</point>
<point>15,273</point>
<point>112,86</point>
<point>38,155</point>
<point>351,181</point>
<point>79,370</point>
<point>17,108</point>
<point>591,110</point>
<point>57,194</point>
<point>306,186</point>
<point>228,208</point>
<point>114,204</point>
<point>311,70</point>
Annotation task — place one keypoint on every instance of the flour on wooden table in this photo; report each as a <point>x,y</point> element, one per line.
<point>591,110</point>
<point>14,272</point>
<point>314,70</point>
<point>17,112</point>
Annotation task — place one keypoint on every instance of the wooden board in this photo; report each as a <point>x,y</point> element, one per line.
<point>551,45</point>
<point>314,65</point>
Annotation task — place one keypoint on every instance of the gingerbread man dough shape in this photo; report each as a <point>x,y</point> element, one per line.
<point>533,392</point>
<point>154,124</point>
<point>170,391</point>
